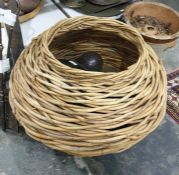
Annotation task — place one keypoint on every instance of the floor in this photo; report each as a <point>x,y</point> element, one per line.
<point>158,154</point>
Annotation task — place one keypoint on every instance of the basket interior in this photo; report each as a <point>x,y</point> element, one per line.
<point>117,53</point>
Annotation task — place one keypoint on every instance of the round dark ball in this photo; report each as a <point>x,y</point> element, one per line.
<point>91,61</point>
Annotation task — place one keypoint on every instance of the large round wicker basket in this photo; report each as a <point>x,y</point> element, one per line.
<point>87,113</point>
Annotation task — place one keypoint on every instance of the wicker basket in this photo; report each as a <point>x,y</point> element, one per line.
<point>87,113</point>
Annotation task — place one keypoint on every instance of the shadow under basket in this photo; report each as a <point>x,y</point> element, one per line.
<point>87,113</point>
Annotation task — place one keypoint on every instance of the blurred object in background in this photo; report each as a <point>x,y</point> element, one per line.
<point>95,8</point>
<point>74,3</point>
<point>28,5</point>
<point>104,2</point>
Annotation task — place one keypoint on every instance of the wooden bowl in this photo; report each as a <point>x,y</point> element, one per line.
<point>161,12</point>
<point>31,14</point>
<point>28,5</point>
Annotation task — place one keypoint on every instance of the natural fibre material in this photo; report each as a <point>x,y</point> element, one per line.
<point>89,113</point>
<point>173,95</point>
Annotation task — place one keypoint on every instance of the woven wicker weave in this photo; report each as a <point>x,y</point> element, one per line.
<point>89,113</point>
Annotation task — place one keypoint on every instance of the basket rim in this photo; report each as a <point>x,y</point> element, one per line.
<point>140,46</point>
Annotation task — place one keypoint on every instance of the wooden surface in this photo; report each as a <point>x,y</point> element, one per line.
<point>31,14</point>
<point>16,49</point>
